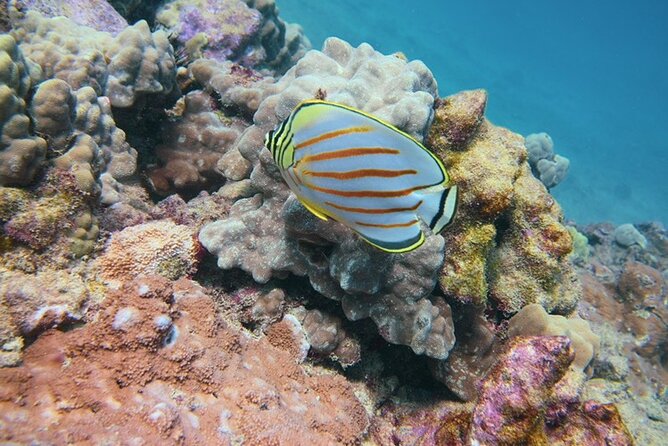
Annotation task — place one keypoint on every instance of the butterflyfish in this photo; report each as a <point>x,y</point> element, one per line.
<point>354,168</point>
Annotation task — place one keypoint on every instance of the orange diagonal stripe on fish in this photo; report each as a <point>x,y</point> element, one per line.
<point>334,134</point>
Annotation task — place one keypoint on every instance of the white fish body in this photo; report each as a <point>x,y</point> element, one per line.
<point>347,165</point>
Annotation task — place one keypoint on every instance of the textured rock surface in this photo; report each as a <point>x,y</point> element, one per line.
<point>507,241</point>
<point>157,363</point>
<point>248,32</point>
<point>31,304</point>
<point>97,14</point>
<point>46,226</point>
<point>158,247</point>
<point>522,401</point>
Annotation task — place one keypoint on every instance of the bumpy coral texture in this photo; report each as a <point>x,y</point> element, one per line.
<point>507,241</point>
<point>548,167</point>
<point>238,87</point>
<point>196,143</point>
<point>327,337</point>
<point>158,247</point>
<point>247,32</point>
<point>124,68</point>
<point>140,63</point>
<point>21,153</point>
<point>81,132</point>
<point>157,363</point>
<point>270,234</point>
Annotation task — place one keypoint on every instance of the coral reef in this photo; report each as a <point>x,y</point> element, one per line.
<point>157,363</point>
<point>548,167</point>
<point>81,132</point>
<point>198,148</point>
<point>157,247</point>
<point>131,65</point>
<point>119,329</point>
<point>21,153</point>
<point>247,32</point>
<point>625,300</point>
<point>507,242</point>
<point>270,233</point>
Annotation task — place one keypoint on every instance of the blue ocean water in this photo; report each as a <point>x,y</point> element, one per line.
<point>594,75</point>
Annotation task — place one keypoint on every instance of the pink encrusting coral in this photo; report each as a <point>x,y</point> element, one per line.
<point>158,247</point>
<point>525,399</point>
<point>159,364</point>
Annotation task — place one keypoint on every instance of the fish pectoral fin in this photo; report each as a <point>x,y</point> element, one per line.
<point>314,210</point>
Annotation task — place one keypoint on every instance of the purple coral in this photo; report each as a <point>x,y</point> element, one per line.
<point>518,386</point>
<point>97,14</point>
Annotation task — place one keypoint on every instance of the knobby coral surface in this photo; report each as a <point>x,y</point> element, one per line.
<point>81,132</point>
<point>268,233</point>
<point>548,167</point>
<point>21,152</point>
<point>195,143</point>
<point>124,68</point>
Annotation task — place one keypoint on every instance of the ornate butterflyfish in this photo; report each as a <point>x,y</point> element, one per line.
<point>352,167</point>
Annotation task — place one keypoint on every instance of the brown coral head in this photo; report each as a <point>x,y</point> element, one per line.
<point>456,120</point>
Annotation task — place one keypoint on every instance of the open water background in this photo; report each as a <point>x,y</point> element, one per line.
<point>593,74</point>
